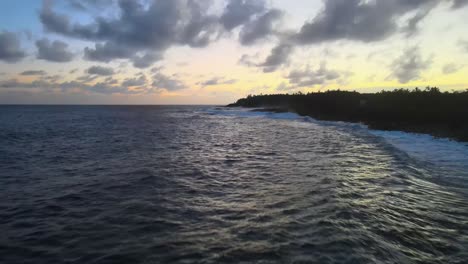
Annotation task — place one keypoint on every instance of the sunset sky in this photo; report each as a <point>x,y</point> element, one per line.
<point>214,52</point>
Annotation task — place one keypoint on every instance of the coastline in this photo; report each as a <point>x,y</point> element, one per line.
<point>434,130</point>
<point>441,115</point>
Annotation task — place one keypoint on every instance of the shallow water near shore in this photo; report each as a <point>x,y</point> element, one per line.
<point>200,184</point>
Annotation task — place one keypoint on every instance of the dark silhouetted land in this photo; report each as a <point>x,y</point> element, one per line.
<point>430,111</point>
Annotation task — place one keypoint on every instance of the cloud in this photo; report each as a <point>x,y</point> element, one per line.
<point>107,52</point>
<point>239,12</point>
<point>451,68</point>
<point>256,19</point>
<point>51,78</point>
<point>87,78</point>
<point>285,87</point>
<point>459,3</point>
<point>146,60</point>
<point>33,73</point>
<point>168,83</point>
<point>13,83</point>
<point>358,20</point>
<point>278,56</point>
<point>101,87</point>
<point>412,26</point>
<point>260,28</point>
<point>135,82</point>
<point>55,51</point>
<point>340,20</point>
<point>143,30</point>
<point>99,70</point>
<point>139,28</point>
<point>463,45</point>
<point>111,81</point>
<point>89,5</point>
<point>10,48</point>
<point>409,65</point>
<point>217,81</point>
<point>86,83</point>
<point>52,21</point>
<point>77,5</point>
<point>214,81</point>
<point>248,60</point>
<point>309,77</point>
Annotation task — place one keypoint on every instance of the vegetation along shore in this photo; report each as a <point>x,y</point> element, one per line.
<point>441,114</point>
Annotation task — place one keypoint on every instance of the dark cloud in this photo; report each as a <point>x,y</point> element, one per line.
<point>111,81</point>
<point>239,12</point>
<point>218,81</point>
<point>451,68</point>
<point>359,20</point>
<point>367,21</point>
<point>51,78</point>
<point>134,82</point>
<point>410,65</point>
<point>412,26</point>
<point>55,51</point>
<point>248,60</point>
<point>101,87</point>
<point>353,20</point>
<point>143,30</point>
<point>168,83</point>
<point>260,28</point>
<point>105,88</point>
<point>13,83</point>
<point>139,28</point>
<point>52,21</point>
<point>278,56</point>
<point>87,78</point>
<point>99,70</point>
<point>107,52</point>
<point>209,82</point>
<point>459,3</point>
<point>309,77</point>
<point>10,48</point>
<point>146,60</point>
<point>34,73</point>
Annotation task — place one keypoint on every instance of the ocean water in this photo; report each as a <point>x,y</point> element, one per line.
<point>187,184</point>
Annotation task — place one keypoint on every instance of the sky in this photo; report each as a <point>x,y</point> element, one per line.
<point>217,51</point>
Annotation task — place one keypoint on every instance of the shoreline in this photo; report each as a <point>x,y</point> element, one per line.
<point>441,115</point>
<point>435,131</point>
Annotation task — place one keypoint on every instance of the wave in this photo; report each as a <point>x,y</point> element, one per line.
<point>441,152</point>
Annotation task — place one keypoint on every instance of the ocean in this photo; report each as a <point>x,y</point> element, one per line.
<point>206,184</point>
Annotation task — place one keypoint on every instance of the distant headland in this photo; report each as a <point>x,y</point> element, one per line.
<point>430,111</point>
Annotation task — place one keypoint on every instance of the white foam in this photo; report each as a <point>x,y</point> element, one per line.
<point>249,112</point>
<point>439,151</point>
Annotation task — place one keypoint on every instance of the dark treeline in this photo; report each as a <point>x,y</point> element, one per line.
<point>426,111</point>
